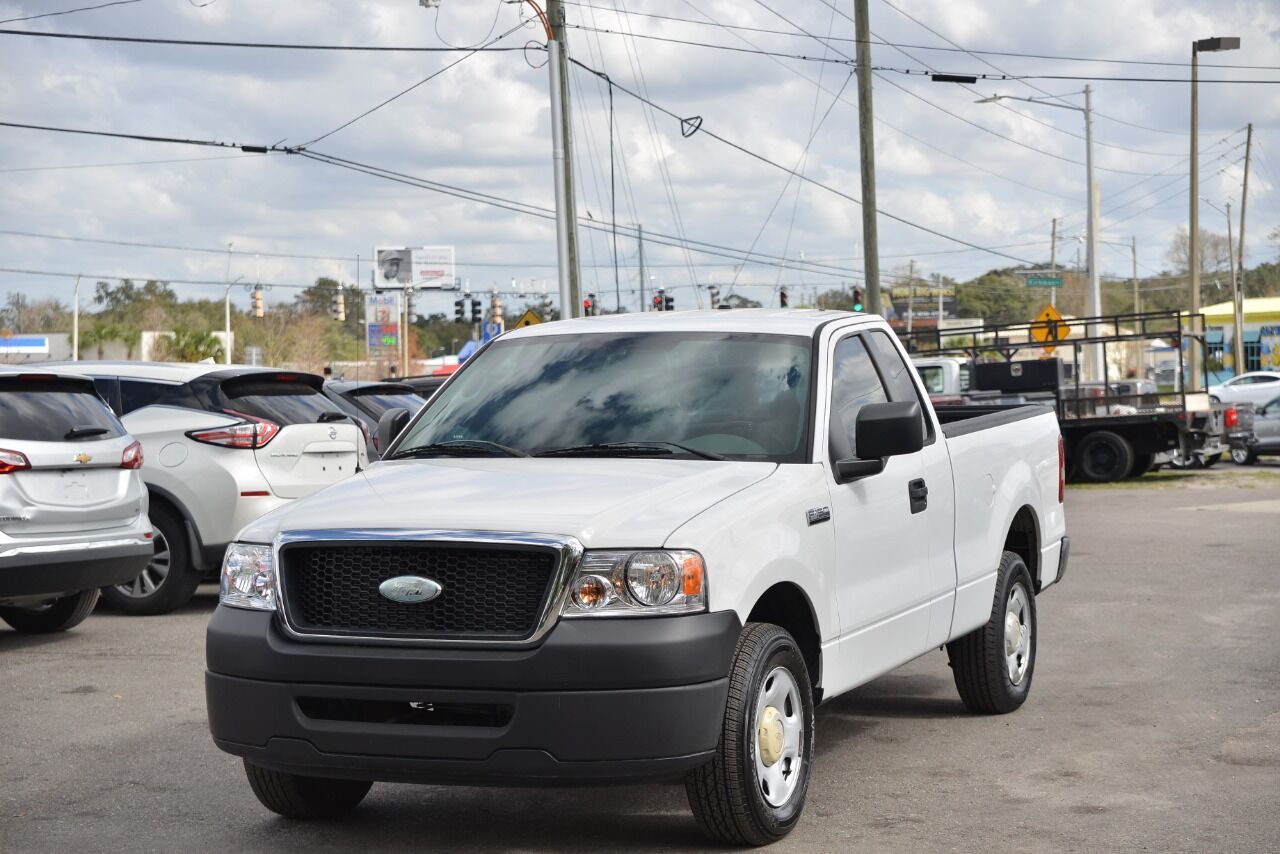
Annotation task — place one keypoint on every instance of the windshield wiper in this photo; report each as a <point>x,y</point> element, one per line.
<point>457,448</point>
<point>644,448</point>
<point>84,432</point>
<point>326,417</point>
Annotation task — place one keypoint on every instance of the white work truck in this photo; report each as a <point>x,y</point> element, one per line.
<point>634,548</point>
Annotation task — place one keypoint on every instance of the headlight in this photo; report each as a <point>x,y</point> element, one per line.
<point>248,577</point>
<point>637,584</point>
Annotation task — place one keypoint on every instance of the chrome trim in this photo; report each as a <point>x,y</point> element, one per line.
<point>568,548</point>
<point>60,548</point>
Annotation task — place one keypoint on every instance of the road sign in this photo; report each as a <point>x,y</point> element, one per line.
<point>1049,328</point>
<point>1044,281</point>
<point>491,329</point>
<point>529,318</point>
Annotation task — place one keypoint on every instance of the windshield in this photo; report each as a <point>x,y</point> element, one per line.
<point>48,411</point>
<point>743,396</point>
<point>283,402</point>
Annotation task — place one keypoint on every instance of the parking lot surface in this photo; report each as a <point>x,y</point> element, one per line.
<point>1153,724</point>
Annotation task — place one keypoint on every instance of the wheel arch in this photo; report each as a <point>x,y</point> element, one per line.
<point>159,496</point>
<point>1022,537</point>
<point>785,604</point>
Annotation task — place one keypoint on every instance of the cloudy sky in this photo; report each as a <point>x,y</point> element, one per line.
<point>993,175</point>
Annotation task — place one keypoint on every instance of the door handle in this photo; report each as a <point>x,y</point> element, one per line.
<point>918,494</point>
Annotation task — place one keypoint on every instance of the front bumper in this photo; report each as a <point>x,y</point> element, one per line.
<point>55,569</point>
<point>599,700</point>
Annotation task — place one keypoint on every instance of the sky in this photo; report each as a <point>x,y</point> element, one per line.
<point>951,173</point>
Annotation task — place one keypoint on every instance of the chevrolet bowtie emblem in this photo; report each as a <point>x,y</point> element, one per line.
<point>82,458</point>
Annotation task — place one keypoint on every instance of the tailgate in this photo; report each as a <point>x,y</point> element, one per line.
<point>305,457</point>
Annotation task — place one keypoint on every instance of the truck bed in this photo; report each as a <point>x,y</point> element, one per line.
<point>961,420</point>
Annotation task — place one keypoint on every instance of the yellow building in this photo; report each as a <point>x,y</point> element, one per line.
<point>1261,333</point>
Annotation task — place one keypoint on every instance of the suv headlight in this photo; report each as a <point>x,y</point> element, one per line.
<point>248,577</point>
<point>637,584</point>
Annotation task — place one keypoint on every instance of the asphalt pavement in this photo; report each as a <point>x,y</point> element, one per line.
<point>1153,724</point>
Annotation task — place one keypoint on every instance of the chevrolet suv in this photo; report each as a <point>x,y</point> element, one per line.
<point>73,509</point>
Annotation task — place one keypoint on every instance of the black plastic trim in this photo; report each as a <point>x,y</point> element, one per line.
<point>71,572</point>
<point>1063,555</point>
<point>986,417</point>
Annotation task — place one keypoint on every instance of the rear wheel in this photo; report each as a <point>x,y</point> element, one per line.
<point>1142,464</point>
<point>1243,456</point>
<point>57,616</point>
<point>1210,460</point>
<point>993,665</point>
<point>295,796</point>
<point>1103,456</point>
<point>753,791</point>
<point>168,581</point>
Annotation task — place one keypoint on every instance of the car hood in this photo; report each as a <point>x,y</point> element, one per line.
<point>604,503</point>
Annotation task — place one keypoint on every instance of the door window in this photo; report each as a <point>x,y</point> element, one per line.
<point>854,384</point>
<point>135,394</point>
<point>896,374</point>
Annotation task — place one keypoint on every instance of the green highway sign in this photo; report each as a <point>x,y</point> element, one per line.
<point>1044,281</point>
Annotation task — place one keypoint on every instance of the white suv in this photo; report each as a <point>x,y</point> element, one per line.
<point>73,509</point>
<point>224,444</point>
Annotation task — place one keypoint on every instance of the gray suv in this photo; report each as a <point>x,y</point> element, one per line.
<point>73,508</point>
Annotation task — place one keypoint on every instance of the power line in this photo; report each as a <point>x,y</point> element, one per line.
<point>710,45</point>
<point>125,163</point>
<point>69,11</point>
<point>918,72</point>
<point>253,45</point>
<point>251,149</point>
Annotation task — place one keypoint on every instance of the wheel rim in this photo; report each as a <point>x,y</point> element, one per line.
<point>777,731</point>
<point>1239,455</point>
<point>147,582</point>
<point>1103,458</point>
<point>1017,634</point>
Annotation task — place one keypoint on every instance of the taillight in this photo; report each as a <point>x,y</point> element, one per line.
<point>132,457</point>
<point>250,433</point>
<point>1062,470</point>
<point>1231,418</point>
<point>11,461</point>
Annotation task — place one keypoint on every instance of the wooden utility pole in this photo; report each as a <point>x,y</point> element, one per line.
<point>1237,294</point>
<point>867,150</point>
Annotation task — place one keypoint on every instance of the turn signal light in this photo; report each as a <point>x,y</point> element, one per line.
<point>691,576</point>
<point>132,457</point>
<point>11,461</point>
<point>251,433</point>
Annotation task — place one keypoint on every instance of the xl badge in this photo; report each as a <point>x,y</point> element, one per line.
<point>407,589</point>
<point>82,458</point>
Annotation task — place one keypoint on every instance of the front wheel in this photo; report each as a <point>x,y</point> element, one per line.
<point>993,665</point>
<point>295,796</point>
<point>1243,456</point>
<point>57,616</point>
<point>752,792</point>
<point>168,581</point>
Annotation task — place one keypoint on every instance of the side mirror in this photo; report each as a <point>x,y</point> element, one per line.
<point>882,430</point>
<point>389,426</point>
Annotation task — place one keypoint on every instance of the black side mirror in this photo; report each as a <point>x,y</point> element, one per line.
<point>882,430</point>
<point>389,426</point>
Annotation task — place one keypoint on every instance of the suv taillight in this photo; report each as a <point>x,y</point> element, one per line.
<point>250,433</point>
<point>1062,470</point>
<point>11,461</point>
<point>1231,418</point>
<point>132,457</point>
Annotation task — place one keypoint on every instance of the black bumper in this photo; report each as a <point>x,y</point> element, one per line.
<point>612,700</point>
<point>71,572</point>
<point>1064,554</point>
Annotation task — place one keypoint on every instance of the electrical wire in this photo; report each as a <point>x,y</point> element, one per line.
<point>69,11</point>
<point>254,45</point>
<point>250,149</point>
<point>492,26</point>
<point>124,163</point>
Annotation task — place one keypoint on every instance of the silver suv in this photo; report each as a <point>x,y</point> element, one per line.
<point>73,508</point>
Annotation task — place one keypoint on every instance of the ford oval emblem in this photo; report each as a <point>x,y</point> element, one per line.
<point>407,589</point>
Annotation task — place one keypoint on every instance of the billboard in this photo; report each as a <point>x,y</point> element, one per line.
<point>418,267</point>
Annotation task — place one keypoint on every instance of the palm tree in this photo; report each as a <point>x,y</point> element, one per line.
<point>131,338</point>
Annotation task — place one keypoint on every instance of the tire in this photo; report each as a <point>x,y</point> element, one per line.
<point>736,798</point>
<point>1103,457</point>
<point>1210,460</point>
<point>169,581</point>
<point>57,616</point>
<point>1243,456</point>
<point>295,796</point>
<point>1142,463</point>
<point>984,674</point>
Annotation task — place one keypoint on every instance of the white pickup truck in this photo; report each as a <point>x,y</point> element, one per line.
<point>633,548</point>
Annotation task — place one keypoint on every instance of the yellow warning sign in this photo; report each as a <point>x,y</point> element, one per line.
<point>529,318</point>
<point>1048,328</point>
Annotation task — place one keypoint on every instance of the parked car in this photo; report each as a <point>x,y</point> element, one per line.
<point>636,547</point>
<point>1256,387</point>
<point>73,508</point>
<point>424,386</point>
<point>1258,433</point>
<point>368,401</point>
<point>224,445</point>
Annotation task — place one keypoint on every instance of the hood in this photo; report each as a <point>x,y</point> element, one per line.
<point>604,502</point>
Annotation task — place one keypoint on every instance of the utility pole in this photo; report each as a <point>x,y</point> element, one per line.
<point>1052,259</point>
<point>640,238</point>
<point>75,324</point>
<point>1237,293</point>
<point>562,159</point>
<point>1237,342</point>
<point>867,151</point>
<point>226,308</point>
<point>1133,249</point>
<point>1193,224</point>
<point>1096,351</point>
<point>911,292</point>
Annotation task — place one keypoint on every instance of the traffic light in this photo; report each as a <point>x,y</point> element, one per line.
<point>259,310</point>
<point>546,307</point>
<point>338,306</point>
<point>657,301</point>
<point>782,297</point>
<point>668,301</point>
<point>476,317</point>
<point>411,310</point>
<point>857,299</point>
<point>589,308</point>
<point>714,293</point>
<point>460,310</point>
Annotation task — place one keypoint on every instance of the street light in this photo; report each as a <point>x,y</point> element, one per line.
<point>1210,45</point>
<point>1094,353</point>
